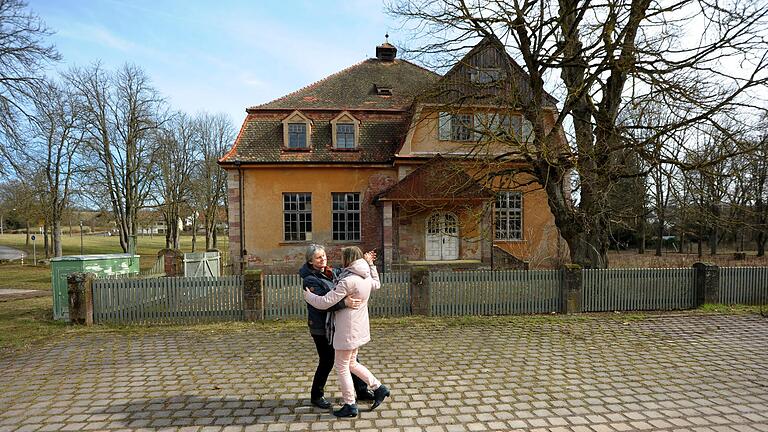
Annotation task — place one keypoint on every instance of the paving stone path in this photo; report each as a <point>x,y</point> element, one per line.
<point>671,373</point>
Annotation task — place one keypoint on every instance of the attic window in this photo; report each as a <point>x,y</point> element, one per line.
<point>383,90</point>
<point>485,75</point>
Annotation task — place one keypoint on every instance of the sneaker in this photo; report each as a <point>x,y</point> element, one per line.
<point>348,410</point>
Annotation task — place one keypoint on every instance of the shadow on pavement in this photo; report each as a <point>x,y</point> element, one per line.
<point>186,410</point>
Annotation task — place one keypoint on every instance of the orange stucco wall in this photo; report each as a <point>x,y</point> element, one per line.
<point>263,190</point>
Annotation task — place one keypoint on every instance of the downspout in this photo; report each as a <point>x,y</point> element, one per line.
<point>242,219</point>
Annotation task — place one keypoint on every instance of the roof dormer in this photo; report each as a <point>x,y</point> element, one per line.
<point>297,129</point>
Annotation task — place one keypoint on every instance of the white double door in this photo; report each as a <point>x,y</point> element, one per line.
<point>442,237</point>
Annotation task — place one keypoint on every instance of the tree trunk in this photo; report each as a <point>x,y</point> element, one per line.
<point>46,242</point>
<point>761,240</point>
<point>660,234</point>
<point>194,231</point>
<point>641,230</point>
<point>27,223</point>
<point>56,232</point>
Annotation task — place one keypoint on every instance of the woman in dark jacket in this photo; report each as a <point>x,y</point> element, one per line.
<point>319,278</point>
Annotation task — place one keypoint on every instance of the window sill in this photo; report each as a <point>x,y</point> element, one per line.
<point>356,149</point>
<point>511,241</point>
<point>294,243</point>
<point>300,150</point>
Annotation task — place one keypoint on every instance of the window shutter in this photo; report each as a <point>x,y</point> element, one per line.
<point>444,128</point>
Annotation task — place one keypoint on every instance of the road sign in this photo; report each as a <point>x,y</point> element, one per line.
<point>32,237</point>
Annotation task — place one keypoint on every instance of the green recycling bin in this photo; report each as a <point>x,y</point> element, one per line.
<point>101,265</point>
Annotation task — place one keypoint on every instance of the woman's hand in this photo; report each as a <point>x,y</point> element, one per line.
<point>370,257</point>
<point>352,303</point>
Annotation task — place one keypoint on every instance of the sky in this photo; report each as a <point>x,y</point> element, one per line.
<point>218,56</point>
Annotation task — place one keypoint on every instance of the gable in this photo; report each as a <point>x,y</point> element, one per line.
<point>486,75</point>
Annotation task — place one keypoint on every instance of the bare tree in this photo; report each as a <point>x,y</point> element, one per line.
<point>24,55</point>
<point>215,135</point>
<point>121,110</point>
<point>595,56</point>
<point>49,151</point>
<point>176,154</point>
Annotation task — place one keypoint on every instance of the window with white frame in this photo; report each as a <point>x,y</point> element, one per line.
<point>455,127</point>
<point>297,216</point>
<point>297,135</point>
<point>502,126</point>
<point>345,135</point>
<point>508,213</point>
<point>346,216</point>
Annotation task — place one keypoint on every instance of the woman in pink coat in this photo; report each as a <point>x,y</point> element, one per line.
<point>357,280</point>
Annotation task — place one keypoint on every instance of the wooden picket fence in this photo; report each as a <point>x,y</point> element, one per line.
<point>283,297</point>
<point>744,285</point>
<point>139,300</point>
<point>637,289</point>
<point>494,292</point>
<point>130,300</point>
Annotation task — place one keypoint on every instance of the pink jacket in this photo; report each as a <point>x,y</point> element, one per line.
<point>352,328</point>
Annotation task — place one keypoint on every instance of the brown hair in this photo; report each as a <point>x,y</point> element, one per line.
<point>350,254</point>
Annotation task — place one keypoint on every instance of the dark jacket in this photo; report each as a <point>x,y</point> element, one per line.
<point>320,284</point>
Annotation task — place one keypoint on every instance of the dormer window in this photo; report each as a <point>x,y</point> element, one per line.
<point>297,135</point>
<point>297,129</point>
<point>383,90</point>
<point>346,131</point>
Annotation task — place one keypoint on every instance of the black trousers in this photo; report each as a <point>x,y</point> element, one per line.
<point>325,352</point>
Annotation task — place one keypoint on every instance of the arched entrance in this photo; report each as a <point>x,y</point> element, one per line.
<point>442,237</point>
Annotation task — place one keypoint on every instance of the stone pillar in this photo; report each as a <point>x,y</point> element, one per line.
<point>80,290</point>
<point>571,289</point>
<point>253,295</point>
<point>233,201</point>
<point>173,262</point>
<point>706,283</point>
<point>387,229</point>
<point>419,291</point>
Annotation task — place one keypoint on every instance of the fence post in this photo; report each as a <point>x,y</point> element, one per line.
<point>570,290</point>
<point>419,291</point>
<point>173,262</point>
<point>80,290</point>
<point>253,295</point>
<point>706,283</point>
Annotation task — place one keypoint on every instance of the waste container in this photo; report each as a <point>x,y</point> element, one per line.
<point>101,265</point>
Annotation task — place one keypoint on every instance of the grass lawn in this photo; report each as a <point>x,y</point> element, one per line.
<point>14,275</point>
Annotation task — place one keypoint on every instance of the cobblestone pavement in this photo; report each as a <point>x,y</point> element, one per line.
<point>594,374</point>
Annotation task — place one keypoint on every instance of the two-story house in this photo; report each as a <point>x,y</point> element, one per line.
<point>390,156</point>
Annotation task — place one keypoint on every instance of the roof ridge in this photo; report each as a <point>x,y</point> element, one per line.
<point>421,67</point>
<point>310,85</point>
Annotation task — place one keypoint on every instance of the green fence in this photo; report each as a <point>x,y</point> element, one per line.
<point>125,301</point>
<point>494,292</point>
<point>637,289</point>
<point>743,285</point>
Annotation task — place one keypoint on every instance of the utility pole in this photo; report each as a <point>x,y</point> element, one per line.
<point>81,237</point>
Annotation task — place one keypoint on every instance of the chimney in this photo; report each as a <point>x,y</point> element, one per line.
<point>386,51</point>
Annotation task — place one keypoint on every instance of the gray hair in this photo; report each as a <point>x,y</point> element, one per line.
<point>312,250</point>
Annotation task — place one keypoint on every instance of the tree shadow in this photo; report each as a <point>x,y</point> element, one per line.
<point>193,410</point>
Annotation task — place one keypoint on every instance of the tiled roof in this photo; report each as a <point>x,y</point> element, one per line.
<point>437,179</point>
<point>261,141</point>
<point>354,88</point>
